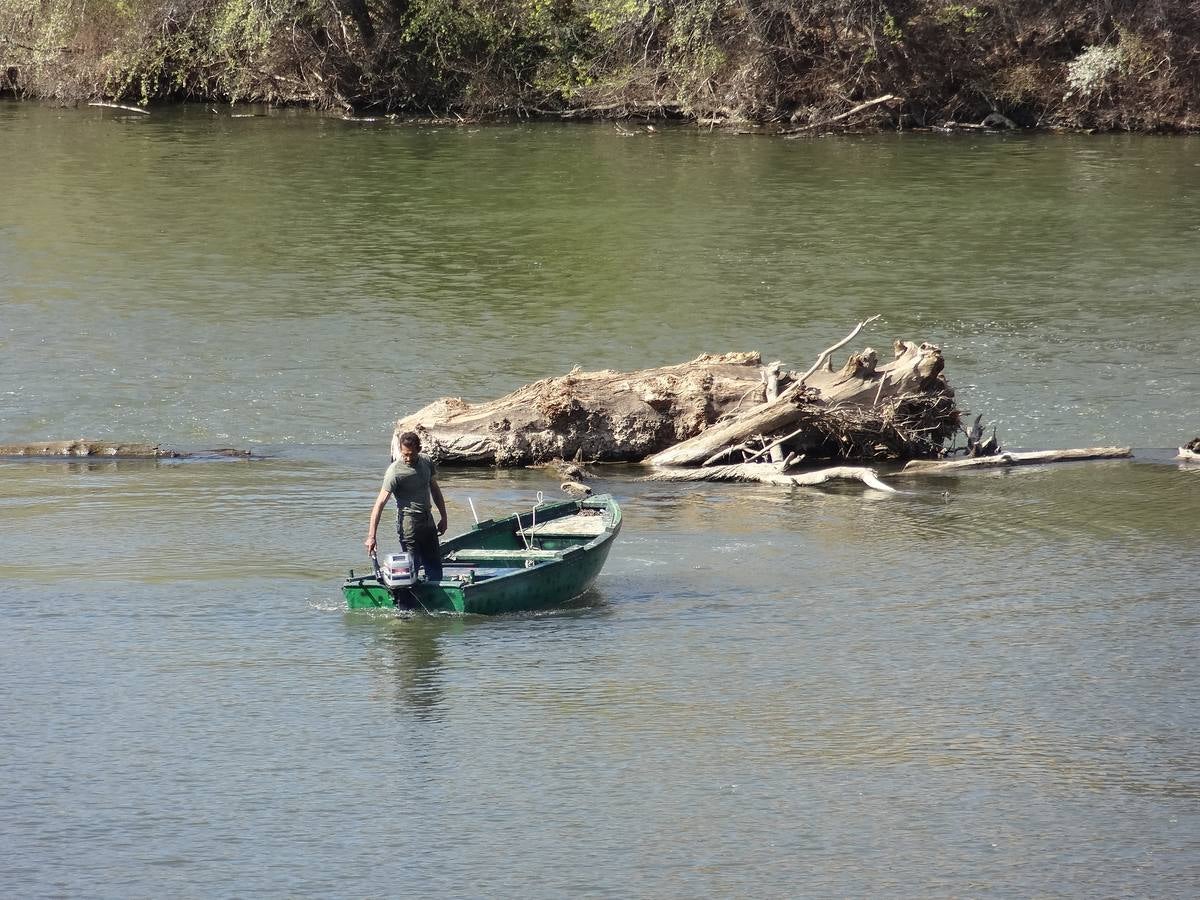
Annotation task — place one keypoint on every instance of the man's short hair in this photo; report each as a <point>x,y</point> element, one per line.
<point>411,440</point>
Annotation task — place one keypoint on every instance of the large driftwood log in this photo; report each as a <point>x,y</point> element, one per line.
<point>604,415</point>
<point>1191,450</point>
<point>1031,458</point>
<point>903,409</point>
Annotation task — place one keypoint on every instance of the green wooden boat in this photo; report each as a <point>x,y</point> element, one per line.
<point>533,560</point>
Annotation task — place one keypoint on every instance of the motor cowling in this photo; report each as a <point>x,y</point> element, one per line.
<point>397,570</point>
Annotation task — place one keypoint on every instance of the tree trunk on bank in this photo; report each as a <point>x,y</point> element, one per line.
<point>713,407</point>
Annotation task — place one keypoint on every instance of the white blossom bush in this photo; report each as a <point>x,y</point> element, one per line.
<point>1090,69</point>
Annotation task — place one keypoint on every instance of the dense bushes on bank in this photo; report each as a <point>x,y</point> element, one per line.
<point>1127,64</point>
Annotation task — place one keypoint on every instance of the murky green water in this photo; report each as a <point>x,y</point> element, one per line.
<point>839,693</point>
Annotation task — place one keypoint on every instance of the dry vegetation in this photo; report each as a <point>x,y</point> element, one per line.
<point>1122,64</point>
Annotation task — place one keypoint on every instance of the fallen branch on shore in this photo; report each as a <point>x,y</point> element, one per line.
<point>992,122</point>
<point>624,108</point>
<point>1031,458</point>
<point>792,133</point>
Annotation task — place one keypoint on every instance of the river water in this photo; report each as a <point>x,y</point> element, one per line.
<point>983,686</point>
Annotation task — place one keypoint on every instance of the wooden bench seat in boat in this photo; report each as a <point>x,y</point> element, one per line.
<point>467,554</point>
<point>568,527</point>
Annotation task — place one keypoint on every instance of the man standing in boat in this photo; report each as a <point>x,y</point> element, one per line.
<point>412,480</point>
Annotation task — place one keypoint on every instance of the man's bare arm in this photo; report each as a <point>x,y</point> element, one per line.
<point>435,490</point>
<point>376,512</point>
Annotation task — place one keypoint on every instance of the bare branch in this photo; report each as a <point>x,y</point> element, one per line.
<point>886,98</point>
<point>824,357</point>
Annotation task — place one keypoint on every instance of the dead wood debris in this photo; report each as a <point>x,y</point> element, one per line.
<point>756,420</point>
<point>731,418</point>
<point>84,448</point>
<point>1035,457</point>
<point>773,473</point>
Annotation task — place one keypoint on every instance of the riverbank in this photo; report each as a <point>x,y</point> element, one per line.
<point>734,63</point>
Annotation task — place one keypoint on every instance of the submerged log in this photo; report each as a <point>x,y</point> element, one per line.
<point>689,413</point>
<point>1031,458</point>
<point>112,450</point>
<point>83,447</point>
<point>132,109</point>
<point>773,473</point>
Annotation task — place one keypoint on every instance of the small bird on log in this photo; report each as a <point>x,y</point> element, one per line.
<point>575,489</point>
<point>976,445</point>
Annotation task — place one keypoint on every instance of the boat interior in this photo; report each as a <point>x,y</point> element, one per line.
<point>524,545</point>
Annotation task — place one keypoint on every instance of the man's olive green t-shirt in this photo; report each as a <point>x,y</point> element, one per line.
<point>410,485</point>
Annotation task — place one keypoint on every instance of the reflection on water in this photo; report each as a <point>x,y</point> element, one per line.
<point>408,654</point>
<point>827,676</point>
<point>418,263</point>
<point>407,648</point>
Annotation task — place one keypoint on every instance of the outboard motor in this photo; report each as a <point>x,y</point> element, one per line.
<point>397,571</point>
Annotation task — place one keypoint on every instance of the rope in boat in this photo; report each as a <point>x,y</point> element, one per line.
<point>413,593</point>
<point>533,523</point>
